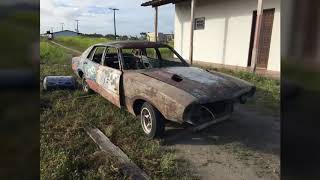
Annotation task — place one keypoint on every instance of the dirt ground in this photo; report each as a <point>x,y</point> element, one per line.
<point>247,146</point>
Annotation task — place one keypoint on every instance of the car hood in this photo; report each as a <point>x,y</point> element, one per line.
<point>200,83</point>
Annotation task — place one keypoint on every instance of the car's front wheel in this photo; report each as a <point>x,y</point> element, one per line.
<point>152,121</point>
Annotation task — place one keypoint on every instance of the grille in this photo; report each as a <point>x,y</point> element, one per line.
<point>202,113</point>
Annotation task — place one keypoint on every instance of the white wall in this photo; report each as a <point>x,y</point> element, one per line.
<point>226,36</point>
<point>275,45</point>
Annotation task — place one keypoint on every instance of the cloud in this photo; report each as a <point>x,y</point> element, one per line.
<point>95,16</point>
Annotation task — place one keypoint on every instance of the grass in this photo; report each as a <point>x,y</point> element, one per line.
<point>80,43</point>
<point>171,43</point>
<point>66,152</point>
<point>51,54</point>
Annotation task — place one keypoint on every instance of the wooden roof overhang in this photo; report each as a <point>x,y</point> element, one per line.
<point>155,3</point>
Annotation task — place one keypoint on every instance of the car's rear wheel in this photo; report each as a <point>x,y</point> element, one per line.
<point>152,121</point>
<point>85,86</point>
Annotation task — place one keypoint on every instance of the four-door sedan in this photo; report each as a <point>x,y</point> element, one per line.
<point>152,81</point>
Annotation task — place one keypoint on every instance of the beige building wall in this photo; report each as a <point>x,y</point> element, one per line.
<point>151,37</point>
<point>226,37</point>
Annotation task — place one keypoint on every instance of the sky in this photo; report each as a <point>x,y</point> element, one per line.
<point>95,16</point>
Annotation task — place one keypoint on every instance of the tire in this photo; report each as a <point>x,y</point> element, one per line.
<point>150,116</point>
<point>85,86</point>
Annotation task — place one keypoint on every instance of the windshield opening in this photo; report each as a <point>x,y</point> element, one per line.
<point>147,58</point>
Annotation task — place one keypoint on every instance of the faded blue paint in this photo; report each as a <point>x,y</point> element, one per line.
<point>90,70</point>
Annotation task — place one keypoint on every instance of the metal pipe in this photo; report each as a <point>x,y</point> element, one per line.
<point>207,124</point>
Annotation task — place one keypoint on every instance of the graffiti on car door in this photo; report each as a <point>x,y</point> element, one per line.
<point>109,79</point>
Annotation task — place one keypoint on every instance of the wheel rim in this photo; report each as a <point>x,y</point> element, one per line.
<point>146,120</point>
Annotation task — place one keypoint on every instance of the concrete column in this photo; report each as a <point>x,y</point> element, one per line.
<point>256,44</point>
<point>193,2</point>
<point>156,24</point>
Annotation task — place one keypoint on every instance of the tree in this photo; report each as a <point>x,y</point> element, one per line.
<point>133,38</point>
<point>125,37</point>
<point>93,35</point>
<point>109,36</point>
<point>143,36</point>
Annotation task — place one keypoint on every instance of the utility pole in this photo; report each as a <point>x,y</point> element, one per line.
<point>77,25</point>
<point>114,21</point>
<point>156,24</point>
<point>51,29</point>
<point>62,26</point>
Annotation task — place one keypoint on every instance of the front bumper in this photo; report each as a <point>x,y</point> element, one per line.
<point>205,112</point>
<point>197,114</point>
<point>209,123</point>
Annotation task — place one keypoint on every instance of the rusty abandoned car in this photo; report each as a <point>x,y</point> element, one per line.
<point>153,82</point>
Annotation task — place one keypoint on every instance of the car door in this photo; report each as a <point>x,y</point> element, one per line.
<point>91,65</point>
<point>109,75</point>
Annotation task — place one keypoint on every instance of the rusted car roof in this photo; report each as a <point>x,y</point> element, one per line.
<point>133,44</point>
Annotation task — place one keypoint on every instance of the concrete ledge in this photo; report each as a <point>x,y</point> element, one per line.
<point>128,168</point>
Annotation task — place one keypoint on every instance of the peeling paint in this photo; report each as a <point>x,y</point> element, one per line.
<point>108,79</point>
<point>177,92</point>
<point>195,74</point>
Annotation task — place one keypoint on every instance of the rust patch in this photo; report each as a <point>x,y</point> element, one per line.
<point>93,85</point>
<point>74,67</point>
<point>112,97</point>
<point>170,101</point>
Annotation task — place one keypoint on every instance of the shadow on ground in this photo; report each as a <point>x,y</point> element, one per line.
<point>258,132</point>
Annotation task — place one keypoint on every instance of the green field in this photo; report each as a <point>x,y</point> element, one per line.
<point>80,43</point>
<point>67,152</point>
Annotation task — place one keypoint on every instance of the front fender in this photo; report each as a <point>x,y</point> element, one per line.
<point>169,100</point>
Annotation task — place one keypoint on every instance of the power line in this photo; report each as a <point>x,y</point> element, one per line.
<point>114,21</point>
<point>62,26</point>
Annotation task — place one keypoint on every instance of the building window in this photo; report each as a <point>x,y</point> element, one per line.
<point>199,23</point>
